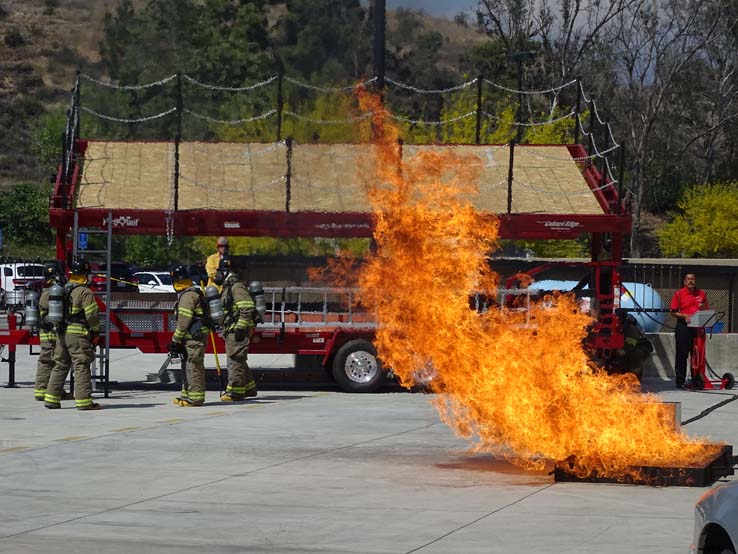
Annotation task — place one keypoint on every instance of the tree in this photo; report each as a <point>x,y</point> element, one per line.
<point>326,41</point>
<point>652,44</point>
<point>153,251</point>
<point>710,86</point>
<point>706,225</point>
<point>218,42</point>
<point>46,145</point>
<point>562,38</point>
<point>24,220</point>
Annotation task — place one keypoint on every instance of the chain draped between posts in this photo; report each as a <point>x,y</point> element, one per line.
<point>596,127</point>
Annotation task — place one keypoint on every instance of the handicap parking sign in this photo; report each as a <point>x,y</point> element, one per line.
<point>82,241</point>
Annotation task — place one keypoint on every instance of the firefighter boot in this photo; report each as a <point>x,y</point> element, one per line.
<point>184,402</point>
<point>52,402</point>
<point>64,396</point>
<point>230,397</point>
<point>93,406</point>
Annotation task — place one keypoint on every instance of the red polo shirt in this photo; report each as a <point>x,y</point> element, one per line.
<point>689,302</point>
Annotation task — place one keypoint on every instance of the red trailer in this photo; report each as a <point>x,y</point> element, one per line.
<point>313,190</point>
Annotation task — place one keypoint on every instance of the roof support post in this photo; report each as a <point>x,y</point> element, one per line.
<point>177,140</point>
<point>288,176</point>
<point>478,130</point>
<point>577,110</point>
<point>511,161</point>
<point>280,101</point>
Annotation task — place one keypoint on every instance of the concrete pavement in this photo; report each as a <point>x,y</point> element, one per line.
<point>301,470</point>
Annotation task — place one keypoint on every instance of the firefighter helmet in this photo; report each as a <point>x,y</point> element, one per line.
<point>180,272</point>
<point>50,272</point>
<point>181,277</point>
<point>80,266</point>
<point>224,270</point>
<point>79,271</point>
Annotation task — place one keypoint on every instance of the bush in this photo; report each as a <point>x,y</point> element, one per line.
<point>706,225</point>
<point>14,38</point>
<point>51,5</point>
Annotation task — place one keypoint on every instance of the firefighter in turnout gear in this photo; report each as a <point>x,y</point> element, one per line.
<point>189,336</point>
<point>47,335</point>
<point>76,341</point>
<point>238,325</point>
<point>213,261</point>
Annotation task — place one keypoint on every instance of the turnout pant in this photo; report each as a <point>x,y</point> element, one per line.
<point>240,380</point>
<point>194,388</point>
<point>684,339</point>
<point>44,367</point>
<point>77,351</point>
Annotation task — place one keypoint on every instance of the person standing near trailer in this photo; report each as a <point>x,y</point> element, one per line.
<point>189,336</point>
<point>685,302</point>
<point>213,262</point>
<point>238,325</point>
<point>76,341</point>
<point>47,335</point>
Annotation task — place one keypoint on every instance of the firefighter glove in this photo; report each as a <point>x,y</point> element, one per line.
<point>95,338</point>
<point>174,348</point>
<point>240,335</point>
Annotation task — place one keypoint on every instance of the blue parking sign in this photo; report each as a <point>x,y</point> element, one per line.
<point>82,241</point>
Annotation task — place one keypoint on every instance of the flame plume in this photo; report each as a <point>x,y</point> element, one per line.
<point>525,393</point>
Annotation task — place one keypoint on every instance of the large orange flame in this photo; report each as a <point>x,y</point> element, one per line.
<point>527,393</point>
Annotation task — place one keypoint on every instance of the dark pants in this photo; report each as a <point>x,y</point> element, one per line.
<point>684,337</point>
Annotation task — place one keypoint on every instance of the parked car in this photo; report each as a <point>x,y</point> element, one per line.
<point>122,280</point>
<point>17,278</point>
<point>154,281</point>
<point>716,521</point>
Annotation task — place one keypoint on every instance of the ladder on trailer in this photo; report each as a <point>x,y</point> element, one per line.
<point>100,368</point>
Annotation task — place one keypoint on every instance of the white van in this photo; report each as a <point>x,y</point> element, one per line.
<point>17,278</point>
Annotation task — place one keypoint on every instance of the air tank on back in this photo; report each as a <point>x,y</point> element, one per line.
<point>632,296</point>
<point>215,306</point>
<point>31,313</point>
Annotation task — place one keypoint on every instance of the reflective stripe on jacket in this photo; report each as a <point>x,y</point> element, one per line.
<point>83,312</point>
<point>238,307</point>
<point>188,312</point>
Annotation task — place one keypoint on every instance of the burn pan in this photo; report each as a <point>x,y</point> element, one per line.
<point>720,464</point>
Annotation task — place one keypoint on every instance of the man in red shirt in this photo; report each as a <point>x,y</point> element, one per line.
<point>686,301</point>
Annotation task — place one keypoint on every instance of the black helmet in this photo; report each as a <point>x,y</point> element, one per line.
<point>80,266</point>
<point>224,270</point>
<point>181,272</point>
<point>50,271</point>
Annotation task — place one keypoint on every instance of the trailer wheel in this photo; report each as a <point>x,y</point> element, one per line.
<point>728,381</point>
<point>356,367</point>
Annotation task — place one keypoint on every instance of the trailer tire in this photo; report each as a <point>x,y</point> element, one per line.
<point>356,367</point>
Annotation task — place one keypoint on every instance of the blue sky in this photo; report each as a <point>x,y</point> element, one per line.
<point>439,8</point>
